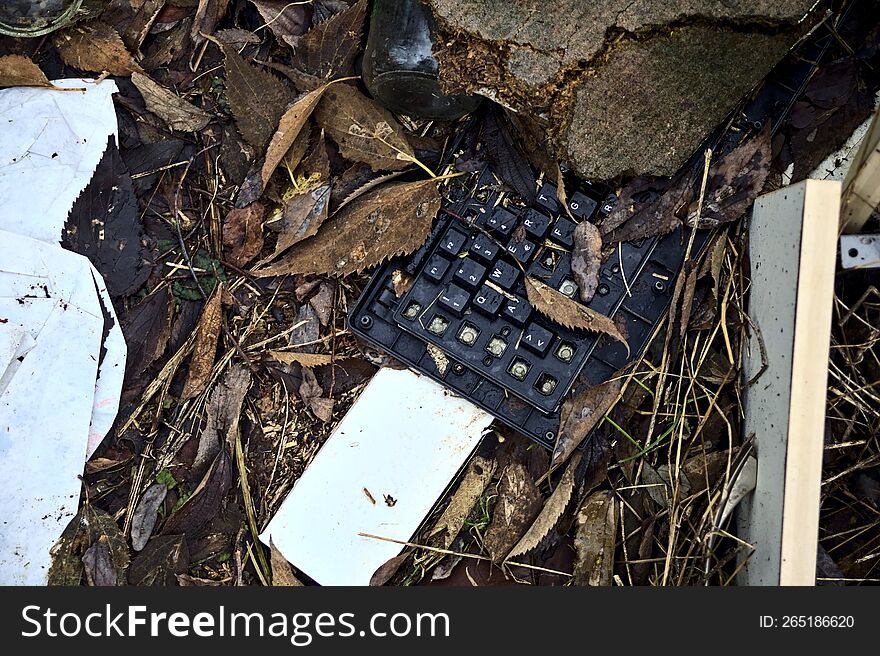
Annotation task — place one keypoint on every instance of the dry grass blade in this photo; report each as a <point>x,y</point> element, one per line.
<point>569,313</point>
<point>392,220</point>
<point>308,360</point>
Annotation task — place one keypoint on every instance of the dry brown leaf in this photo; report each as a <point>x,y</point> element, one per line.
<point>243,233</point>
<point>177,113</point>
<point>392,220</point>
<point>19,71</point>
<point>365,131</point>
<point>289,128</point>
<point>310,392</point>
<point>301,218</point>
<point>580,414</point>
<point>257,98</point>
<point>145,515</point>
<point>595,539</point>
<point>94,47</point>
<point>567,312</point>
<point>633,219</point>
<point>478,475</point>
<point>282,573</point>
<point>324,301</point>
<point>132,19</point>
<point>550,514</point>
<point>387,569</point>
<point>519,502</point>
<point>329,49</point>
<point>287,20</point>
<point>208,14</point>
<point>586,259</point>
<point>207,334</point>
<point>307,360</point>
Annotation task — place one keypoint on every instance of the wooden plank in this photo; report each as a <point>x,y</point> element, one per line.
<point>793,238</point>
<point>861,192</point>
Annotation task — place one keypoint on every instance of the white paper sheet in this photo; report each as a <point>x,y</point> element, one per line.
<point>406,437</point>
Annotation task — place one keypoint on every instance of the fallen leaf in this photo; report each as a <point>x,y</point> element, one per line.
<point>161,561</point>
<point>282,573</point>
<point>205,502</point>
<point>392,220</point>
<point>301,218</point>
<point>364,131</point>
<point>734,182</point>
<point>473,484</point>
<point>505,159</point>
<point>147,329</point>
<point>329,49</point>
<point>243,233</point>
<point>595,539</point>
<point>569,313</point>
<point>324,301</point>
<point>94,47</point>
<point>146,514</point>
<point>306,329</point>
<point>633,219</point>
<point>87,527</point>
<point>287,20</point>
<point>536,144</point>
<point>99,567</point>
<point>208,14</point>
<point>550,514</point>
<point>205,348</point>
<point>581,414</point>
<point>289,128</point>
<point>19,71</point>
<point>257,98</point>
<point>132,19</point>
<point>519,503</point>
<point>308,360</point>
<point>223,413</point>
<point>315,164</point>
<point>237,38</point>
<point>586,259</point>
<point>104,225</point>
<point>312,394</point>
<point>177,113</point>
<point>387,569</point>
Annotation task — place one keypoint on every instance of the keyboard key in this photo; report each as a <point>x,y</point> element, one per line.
<point>537,339</point>
<point>455,299</point>
<point>562,232</point>
<point>496,346</point>
<point>519,368</point>
<point>521,250</point>
<point>536,224</point>
<point>452,242</point>
<point>438,325</point>
<point>470,273</point>
<point>581,206</point>
<point>546,384</point>
<point>547,198</point>
<point>502,221</point>
<point>517,312</point>
<point>503,274</point>
<point>436,268</point>
<point>468,334</point>
<point>484,249</point>
<point>487,300</point>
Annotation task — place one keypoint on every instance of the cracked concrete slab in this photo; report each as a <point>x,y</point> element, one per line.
<point>625,86</point>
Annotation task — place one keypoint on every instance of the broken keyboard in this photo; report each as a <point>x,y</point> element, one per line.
<point>464,319</point>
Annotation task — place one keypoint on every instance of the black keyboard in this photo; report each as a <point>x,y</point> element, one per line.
<point>465,320</point>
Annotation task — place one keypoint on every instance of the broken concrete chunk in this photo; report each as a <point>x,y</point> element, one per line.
<point>625,86</point>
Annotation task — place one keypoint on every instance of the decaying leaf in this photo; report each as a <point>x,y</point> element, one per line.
<point>205,348</point>
<point>243,233</point>
<point>595,539</point>
<point>388,569</point>
<point>519,503</point>
<point>223,413</point>
<point>145,515</point>
<point>308,360</point>
<point>401,281</point>
<point>324,301</point>
<point>329,49</point>
<point>586,259</point>
<point>392,220</point>
<point>287,20</point>
<point>132,19</point>
<point>439,358</point>
<point>290,126</point>
<point>204,503</point>
<point>177,113</point>
<point>89,526</point>
<point>735,181</point>
<point>310,392</point>
<point>257,98</point>
<point>94,47</point>
<point>208,14</point>
<point>580,414</point>
<point>98,563</point>
<point>505,158</point>
<point>147,329</point>
<point>301,218</point>
<point>282,573</point>
<point>365,131</point>
<point>19,71</point>
<point>162,560</point>
<point>567,312</point>
<point>478,475</point>
<point>648,207</point>
<point>550,514</point>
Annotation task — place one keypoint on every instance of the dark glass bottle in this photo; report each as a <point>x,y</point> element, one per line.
<point>399,68</point>
<point>35,17</point>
